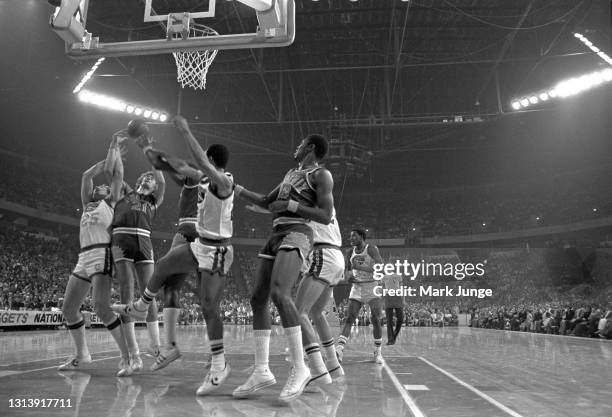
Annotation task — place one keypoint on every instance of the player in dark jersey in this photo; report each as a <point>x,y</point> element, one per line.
<point>133,251</point>
<point>185,234</point>
<point>304,194</point>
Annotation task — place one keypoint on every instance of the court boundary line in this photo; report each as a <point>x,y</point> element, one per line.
<point>475,390</point>
<point>27,371</point>
<point>54,358</point>
<point>414,409</point>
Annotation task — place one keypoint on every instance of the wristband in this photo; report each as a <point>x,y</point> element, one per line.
<point>147,148</point>
<point>292,206</point>
<point>238,189</point>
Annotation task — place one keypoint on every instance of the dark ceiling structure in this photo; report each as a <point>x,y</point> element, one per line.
<point>378,68</point>
<point>428,78</point>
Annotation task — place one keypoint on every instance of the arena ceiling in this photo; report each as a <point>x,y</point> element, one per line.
<point>392,75</point>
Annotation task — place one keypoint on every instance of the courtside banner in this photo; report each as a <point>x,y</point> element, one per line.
<point>41,318</point>
<point>30,318</point>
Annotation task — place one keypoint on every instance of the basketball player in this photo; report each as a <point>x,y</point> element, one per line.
<point>94,264</point>
<point>360,272</point>
<point>304,194</point>
<point>211,254</point>
<point>314,292</point>
<point>133,251</point>
<point>394,305</point>
<point>185,234</point>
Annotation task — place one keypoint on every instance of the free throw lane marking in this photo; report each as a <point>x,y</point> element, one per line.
<point>416,388</point>
<point>476,391</point>
<point>414,409</point>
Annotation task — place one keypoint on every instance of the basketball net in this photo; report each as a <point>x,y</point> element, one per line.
<point>192,66</point>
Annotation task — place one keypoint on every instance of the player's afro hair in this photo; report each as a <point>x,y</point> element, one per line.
<point>320,144</point>
<point>219,154</point>
<point>360,231</point>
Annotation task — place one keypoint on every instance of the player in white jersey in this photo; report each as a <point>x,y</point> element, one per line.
<point>360,272</point>
<point>94,264</point>
<point>315,289</point>
<point>211,254</point>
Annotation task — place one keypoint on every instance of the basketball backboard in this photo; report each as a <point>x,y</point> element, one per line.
<point>93,29</point>
<point>158,10</point>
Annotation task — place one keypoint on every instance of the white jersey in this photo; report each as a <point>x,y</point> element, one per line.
<point>96,224</point>
<point>327,233</point>
<point>364,259</point>
<point>214,213</point>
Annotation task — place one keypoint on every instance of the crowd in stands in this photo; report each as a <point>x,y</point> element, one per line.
<point>34,270</point>
<point>474,209</point>
<point>584,321</point>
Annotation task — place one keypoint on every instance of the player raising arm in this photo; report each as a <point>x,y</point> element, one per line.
<point>94,265</point>
<point>211,254</point>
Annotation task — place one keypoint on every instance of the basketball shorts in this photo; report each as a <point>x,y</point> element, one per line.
<point>327,265</point>
<point>364,292</point>
<point>132,248</point>
<point>93,261</point>
<point>289,237</point>
<point>213,256</point>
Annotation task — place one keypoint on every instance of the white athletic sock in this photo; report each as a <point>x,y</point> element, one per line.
<point>377,345</point>
<point>296,353</point>
<point>262,349</point>
<point>315,360</point>
<point>130,337</point>
<point>147,298</point>
<point>153,330</point>
<point>115,329</point>
<point>217,362</point>
<point>77,331</point>
<point>170,318</point>
<point>341,342</point>
<point>330,353</point>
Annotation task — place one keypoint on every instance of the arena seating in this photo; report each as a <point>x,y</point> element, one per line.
<point>32,281</point>
<point>34,268</point>
<point>457,211</point>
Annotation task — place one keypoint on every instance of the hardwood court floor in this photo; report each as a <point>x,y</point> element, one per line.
<point>429,372</point>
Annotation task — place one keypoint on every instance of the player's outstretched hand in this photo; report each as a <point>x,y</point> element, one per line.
<point>144,140</point>
<point>120,136</point>
<point>123,152</point>
<point>180,122</point>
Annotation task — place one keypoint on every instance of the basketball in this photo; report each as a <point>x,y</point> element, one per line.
<point>136,128</point>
